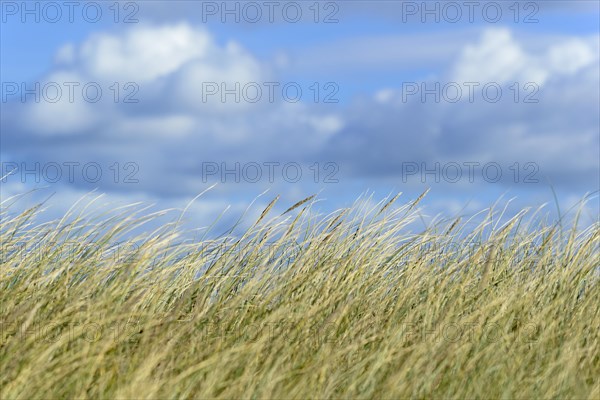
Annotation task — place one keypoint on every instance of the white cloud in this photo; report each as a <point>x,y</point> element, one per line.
<point>169,126</point>
<point>66,54</point>
<point>571,56</point>
<point>498,57</point>
<point>172,131</point>
<point>65,116</point>
<point>231,67</point>
<point>144,53</point>
<point>385,95</point>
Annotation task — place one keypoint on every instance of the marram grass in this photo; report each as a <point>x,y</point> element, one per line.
<point>349,305</point>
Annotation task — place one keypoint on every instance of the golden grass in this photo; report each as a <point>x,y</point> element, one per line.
<point>349,305</point>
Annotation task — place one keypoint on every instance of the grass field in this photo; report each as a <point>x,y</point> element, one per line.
<point>348,305</point>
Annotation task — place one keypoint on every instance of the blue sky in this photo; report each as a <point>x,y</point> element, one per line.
<point>377,136</point>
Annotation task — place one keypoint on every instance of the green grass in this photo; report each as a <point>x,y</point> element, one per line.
<point>349,305</point>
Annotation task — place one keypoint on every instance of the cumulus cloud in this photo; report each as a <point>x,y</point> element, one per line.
<point>63,116</point>
<point>144,54</point>
<point>498,57</point>
<point>171,131</point>
<point>559,132</point>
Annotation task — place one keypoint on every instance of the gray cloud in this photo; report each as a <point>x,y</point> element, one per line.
<point>171,132</point>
